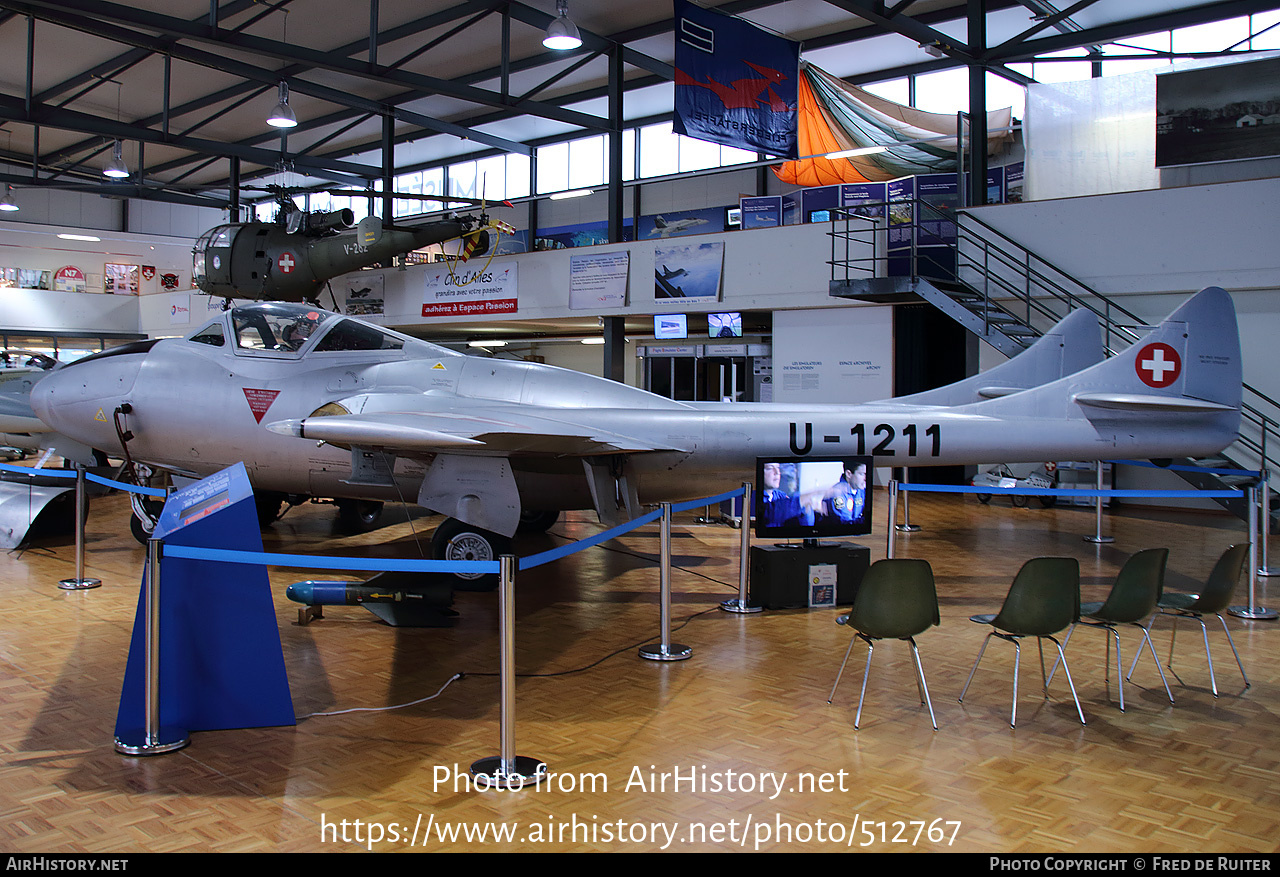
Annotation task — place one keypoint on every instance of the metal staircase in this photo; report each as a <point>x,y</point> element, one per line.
<point>1008,296</point>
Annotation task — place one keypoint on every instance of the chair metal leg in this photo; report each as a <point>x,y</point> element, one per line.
<point>865,673</point>
<point>852,640</point>
<point>1065,641</point>
<point>924,686</point>
<point>1208,657</point>
<point>1067,670</point>
<point>1017,657</point>
<point>1119,672</point>
<point>1044,679</point>
<point>1147,633</point>
<point>1147,639</point>
<point>1232,643</point>
<point>981,652</point>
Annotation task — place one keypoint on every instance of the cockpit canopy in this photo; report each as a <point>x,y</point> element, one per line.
<point>290,328</point>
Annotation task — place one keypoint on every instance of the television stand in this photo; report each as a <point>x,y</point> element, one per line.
<point>780,573</point>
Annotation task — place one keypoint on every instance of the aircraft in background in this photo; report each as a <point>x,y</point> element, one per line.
<point>316,404</point>
<point>666,229</point>
<point>292,258</point>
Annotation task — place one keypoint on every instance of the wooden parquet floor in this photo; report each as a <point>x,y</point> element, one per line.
<point>750,705</point>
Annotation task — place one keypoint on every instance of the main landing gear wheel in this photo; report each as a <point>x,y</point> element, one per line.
<point>533,521</point>
<point>454,540</point>
<point>358,515</point>
<point>268,505</point>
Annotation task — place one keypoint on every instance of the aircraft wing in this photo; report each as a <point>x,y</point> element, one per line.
<point>513,433</point>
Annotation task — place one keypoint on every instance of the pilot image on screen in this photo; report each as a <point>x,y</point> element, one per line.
<point>780,504</point>
<point>846,501</point>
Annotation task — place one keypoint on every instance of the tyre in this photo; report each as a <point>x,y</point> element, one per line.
<point>268,506</point>
<point>141,529</point>
<point>983,498</point>
<point>454,540</point>
<point>1048,502</point>
<point>533,521</point>
<point>1019,501</point>
<point>358,515</point>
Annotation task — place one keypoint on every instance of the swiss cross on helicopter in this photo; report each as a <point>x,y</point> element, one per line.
<point>293,257</point>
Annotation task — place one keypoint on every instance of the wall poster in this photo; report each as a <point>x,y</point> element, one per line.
<point>120,279</point>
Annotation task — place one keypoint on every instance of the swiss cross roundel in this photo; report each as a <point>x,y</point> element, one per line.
<point>1158,365</point>
<point>286,262</point>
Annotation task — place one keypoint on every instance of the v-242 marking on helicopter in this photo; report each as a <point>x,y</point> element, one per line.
<point>318,404</point>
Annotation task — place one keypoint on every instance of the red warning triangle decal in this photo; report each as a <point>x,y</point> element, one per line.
<point>260,401</point>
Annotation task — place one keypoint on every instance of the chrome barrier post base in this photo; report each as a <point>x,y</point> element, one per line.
<point>1101,540</point>
<point>507,775</point>
<point>907,528</point>
<point>79,584</point>
<point>1256,613</point>
<point>666,652</point>
<point>1267,571</point>
<point>139,742</point>
<point>739,607</point>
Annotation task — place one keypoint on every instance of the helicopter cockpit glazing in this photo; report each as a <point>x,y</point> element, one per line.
<point>219,238</point>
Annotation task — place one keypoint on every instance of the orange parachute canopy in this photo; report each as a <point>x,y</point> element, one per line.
<point>834,116</point>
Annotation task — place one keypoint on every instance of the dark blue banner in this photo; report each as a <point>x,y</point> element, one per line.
<point>735,84</point>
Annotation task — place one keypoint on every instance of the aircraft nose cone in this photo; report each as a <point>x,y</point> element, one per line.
<point>41,400</point>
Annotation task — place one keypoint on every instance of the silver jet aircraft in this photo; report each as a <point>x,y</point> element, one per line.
<point>317,404</point>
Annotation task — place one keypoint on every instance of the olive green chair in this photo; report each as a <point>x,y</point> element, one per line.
<point>1212,600</point>
<point>896,600</point>
<point>1137,588</point>
<point>1044,599</point>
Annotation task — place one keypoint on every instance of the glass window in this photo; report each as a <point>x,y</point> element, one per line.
<point>349,335</point>
<point>1266,30</point>
<point>896,90</point>
<point>492,176</point>
<point>211,334</point>
<point>946,91</point>
<point>697,155</point>
<point>517,175</point>
<point>275,326</point>
<point>553,168</point>
<point>462,180</point>
<point>1147,44</point>
<point>659,151</point>
<point>1064,71</point>
<point>1212,37</point>
<point>586,162</point>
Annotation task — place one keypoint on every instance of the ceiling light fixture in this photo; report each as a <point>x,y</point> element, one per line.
<point>486,343</point>
<point>593,341</point>
<point>562,34</point>
<point>115,168</point>
<point>570,193</point>
<point>6,203</point>
<point>79,237</point>
<point>282,116</point>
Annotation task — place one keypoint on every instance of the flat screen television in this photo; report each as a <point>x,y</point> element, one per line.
<point>670,326</point>
<point>724,325</point>
<point>812,497</point>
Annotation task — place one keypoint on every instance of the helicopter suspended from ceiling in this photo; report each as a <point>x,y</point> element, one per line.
<point>292,258</point>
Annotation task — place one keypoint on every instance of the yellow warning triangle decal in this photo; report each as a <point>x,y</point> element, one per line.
<point>101,416</point>
<point>438,365</point>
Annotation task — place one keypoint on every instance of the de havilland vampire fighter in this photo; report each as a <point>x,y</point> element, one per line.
<point>317,404</point>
